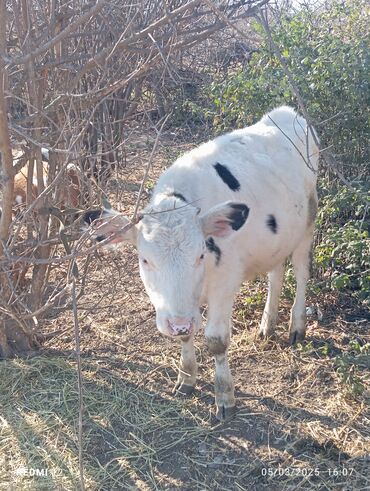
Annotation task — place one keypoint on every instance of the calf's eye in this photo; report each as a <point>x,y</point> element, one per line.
<point>201,257</point>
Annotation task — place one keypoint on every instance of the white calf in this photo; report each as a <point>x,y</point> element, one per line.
<point>224,212</point>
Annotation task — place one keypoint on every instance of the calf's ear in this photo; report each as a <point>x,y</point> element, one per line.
<point>107,224</point>
<point>223,219</point>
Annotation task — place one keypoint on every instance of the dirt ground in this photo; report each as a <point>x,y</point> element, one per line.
<point>303,419</point>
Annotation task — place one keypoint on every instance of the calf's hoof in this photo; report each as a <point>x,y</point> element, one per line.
<point>266,327</point>
<point>183,390</point>
<point>296,337</point>
<point>262,334</point>
<point>225,413</point>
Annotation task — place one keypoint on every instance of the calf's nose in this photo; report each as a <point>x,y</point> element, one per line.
<point>180,325</point>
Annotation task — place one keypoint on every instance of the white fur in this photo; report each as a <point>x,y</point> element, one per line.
<point>275,162</point>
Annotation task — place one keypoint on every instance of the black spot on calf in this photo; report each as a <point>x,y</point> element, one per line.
<point>178,195</point>
<point>238,215</point>
<point>45,154</point>
<point>92,215</point>
<point>213,247</point>
<point>227,176</point>
<point>271,223</point>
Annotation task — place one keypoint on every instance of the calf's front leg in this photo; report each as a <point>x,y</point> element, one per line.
<point>188,368</point>
<point>217,333</point>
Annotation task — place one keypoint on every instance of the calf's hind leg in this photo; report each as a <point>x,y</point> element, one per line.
<point>301,259</point>
<point>270,313</point>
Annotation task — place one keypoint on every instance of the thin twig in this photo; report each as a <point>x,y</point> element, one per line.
<point>307,162</point>
<point>148,167</point>
<point>79,380</point>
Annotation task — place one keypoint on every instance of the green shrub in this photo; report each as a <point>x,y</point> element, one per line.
<point>327,55</point>
<point>342,255</point>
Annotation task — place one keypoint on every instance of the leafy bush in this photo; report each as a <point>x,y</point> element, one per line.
<point>342,255</point>
<point>326,52</point>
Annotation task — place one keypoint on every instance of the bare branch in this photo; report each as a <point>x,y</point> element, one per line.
<point>148,167</point>
<point>22,60</point>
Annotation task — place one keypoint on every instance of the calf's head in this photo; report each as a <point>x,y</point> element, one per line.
<point>170,239</point>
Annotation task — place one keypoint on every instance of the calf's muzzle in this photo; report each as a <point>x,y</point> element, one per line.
<point>180,326</point>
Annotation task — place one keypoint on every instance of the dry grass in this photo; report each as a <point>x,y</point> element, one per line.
<point>302,423</point>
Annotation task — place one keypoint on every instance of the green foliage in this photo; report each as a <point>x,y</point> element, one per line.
<point>349,374</point>
<point>359,349</point>
<point>308,348</point>
<point>190,112</point>
<point>342,255</point>
<point>325,349</point>
<point>305,348</point>
<point>350,365</point>
<point>326,52</point>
